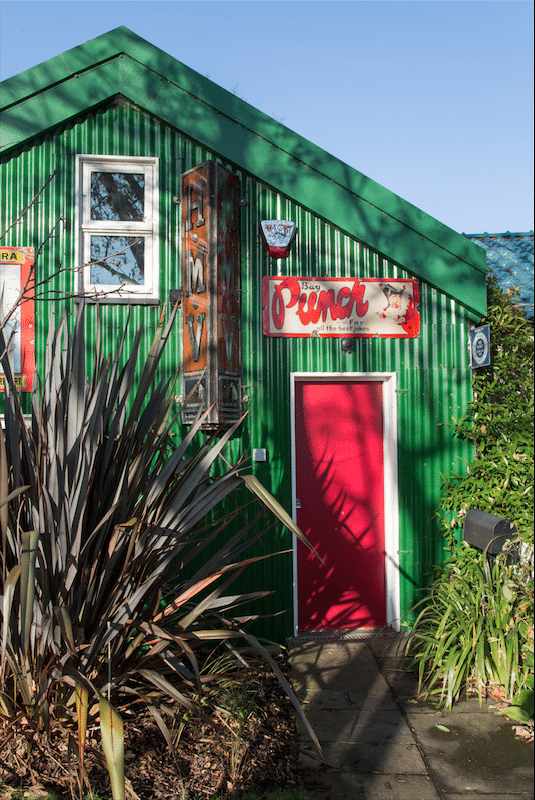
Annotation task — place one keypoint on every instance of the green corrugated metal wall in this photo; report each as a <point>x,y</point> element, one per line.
<point>433,377</point>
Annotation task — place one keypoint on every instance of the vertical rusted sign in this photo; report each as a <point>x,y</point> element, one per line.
<point>211,288</point>
<point>17,313</point>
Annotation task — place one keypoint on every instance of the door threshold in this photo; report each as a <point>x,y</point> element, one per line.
<point>343,635</point>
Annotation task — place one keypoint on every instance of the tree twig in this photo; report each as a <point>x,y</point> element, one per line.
<point>25,211</point>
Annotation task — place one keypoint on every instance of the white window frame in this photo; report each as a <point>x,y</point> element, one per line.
<point>148,292</point>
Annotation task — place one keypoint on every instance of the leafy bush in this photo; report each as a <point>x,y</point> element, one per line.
<point>98,511</point>
<point>499,423</point>
<point>476,627</point>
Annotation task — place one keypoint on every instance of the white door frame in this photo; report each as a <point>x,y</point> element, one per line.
<point>390,457</point>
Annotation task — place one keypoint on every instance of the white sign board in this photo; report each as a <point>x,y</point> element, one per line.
<point>340,307</point>
<point>480,347</point>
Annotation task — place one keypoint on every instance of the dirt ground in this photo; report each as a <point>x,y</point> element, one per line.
<point>250,745</point>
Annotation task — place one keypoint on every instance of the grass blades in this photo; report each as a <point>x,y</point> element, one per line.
<point>467,635</point>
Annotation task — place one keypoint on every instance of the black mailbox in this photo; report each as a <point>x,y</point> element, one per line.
<point>487,532</point>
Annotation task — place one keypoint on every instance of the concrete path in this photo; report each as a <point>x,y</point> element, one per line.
<point>386,744</point>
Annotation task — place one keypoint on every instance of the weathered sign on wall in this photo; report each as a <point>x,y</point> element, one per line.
<point>17,312</point>
<point>480,347</point>
<point>340,307</point>
<point>277,236</point>
<point>211,293</point>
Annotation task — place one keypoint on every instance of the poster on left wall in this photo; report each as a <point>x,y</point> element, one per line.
<point>17,313</point>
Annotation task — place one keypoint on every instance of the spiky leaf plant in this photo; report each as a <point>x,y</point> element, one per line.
<point>475,629</point>
<point>100,514</point>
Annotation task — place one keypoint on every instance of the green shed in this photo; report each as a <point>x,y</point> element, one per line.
<point>330,309</point>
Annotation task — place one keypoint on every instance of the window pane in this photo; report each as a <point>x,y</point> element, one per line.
<point>118,196</point>
<point>121,259</point>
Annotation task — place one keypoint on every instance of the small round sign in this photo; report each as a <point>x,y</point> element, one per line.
<point>480,347</point>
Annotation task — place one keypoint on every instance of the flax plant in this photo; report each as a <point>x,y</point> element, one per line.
<point>471,632</point>
<point>106,594</point>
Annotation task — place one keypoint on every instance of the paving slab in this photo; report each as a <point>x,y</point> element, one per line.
<point>373,702</point>
<point>489,796</point>
<point>315,679</point>
<point>347,699</point>
<point>358,725</point>
<point>416,705</point>
<point>382,740</point>
<point>386,646</point>
<point>348,786</point>
<point>385,758</point>
<point>421,705</point>
<point>474,752</point>
<point>326,698</point>
<point>400,681</point>
<point>339,658</point>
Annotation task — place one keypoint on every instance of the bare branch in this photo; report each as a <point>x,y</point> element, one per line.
<point>25,211</point>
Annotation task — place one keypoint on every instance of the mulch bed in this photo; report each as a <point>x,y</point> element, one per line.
<point>251,746</point>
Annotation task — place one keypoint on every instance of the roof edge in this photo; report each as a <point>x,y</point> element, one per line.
<point>502,235</point>
<point>121,42</point>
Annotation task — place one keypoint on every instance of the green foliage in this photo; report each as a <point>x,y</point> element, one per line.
<point>236,693</point>
<point>475,630</point>
<point>523,703</point>
<point>6,793</point>
<point>99,509</point>
<point>499,423</point>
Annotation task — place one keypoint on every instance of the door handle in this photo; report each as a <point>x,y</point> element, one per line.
<point>297,502</point>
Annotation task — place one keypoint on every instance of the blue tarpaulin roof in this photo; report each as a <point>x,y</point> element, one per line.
<point>510,260</point>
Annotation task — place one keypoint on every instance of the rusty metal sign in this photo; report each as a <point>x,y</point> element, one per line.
<point>211,294</point>
<point>340,307</point>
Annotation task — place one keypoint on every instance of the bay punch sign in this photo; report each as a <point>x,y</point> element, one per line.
<point>344,307</point>
<point>211,294</point>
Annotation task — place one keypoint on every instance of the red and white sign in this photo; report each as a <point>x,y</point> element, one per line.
<point>277,236</point>
<point>341,307</point>
<point>17,312</point>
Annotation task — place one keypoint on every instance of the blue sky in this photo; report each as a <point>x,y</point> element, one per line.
<point>433,99</point>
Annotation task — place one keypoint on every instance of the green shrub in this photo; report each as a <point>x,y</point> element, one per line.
<point>475,629</point>
<point>499,423</point>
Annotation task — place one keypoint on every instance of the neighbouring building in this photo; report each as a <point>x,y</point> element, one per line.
<point>331,310</point>
<point>510,260</point>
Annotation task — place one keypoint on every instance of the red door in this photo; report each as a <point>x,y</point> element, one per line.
<point>340,491</point>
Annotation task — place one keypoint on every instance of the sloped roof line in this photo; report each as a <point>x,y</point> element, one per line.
<point>13,82</point>
<point>328,187</point>
<point>121,32</point>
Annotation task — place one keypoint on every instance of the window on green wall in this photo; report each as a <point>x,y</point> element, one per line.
<point>117,213</point>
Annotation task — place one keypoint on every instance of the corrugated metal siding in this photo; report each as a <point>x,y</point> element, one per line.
<point>432,370</point>
<point>432,374</point>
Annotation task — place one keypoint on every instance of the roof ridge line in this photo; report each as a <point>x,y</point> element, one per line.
<point>54,84</point>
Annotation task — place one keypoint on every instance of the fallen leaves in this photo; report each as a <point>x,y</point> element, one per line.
<point>263,755</point>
